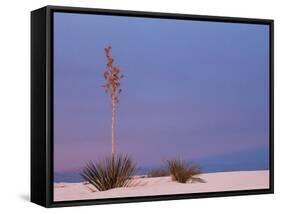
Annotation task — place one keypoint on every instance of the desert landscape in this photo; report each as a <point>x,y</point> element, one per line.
<point>144,186</point>
<point>167,112</point>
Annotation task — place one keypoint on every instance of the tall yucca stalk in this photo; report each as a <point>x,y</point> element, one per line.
<point>112,88</point>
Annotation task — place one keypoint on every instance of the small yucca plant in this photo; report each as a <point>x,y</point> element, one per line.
<point>181,171</point>
<point>109,173</point>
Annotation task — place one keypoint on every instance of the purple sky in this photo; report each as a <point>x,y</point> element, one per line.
<point>192,90</point>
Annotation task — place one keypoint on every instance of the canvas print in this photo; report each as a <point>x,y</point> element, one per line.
<point>150,106</point>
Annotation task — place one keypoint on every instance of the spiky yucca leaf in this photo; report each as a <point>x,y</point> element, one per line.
<point>109,173</point>
<point>182,171</point>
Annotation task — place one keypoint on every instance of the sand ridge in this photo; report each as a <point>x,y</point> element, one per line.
<point>214,182</point>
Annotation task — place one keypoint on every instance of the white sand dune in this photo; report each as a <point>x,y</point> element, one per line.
<point>214,182</point>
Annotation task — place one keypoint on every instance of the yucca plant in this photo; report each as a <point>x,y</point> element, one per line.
<point>109,173</point>
<point>181,171</point>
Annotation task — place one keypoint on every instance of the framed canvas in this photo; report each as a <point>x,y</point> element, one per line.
<point>131,106</point>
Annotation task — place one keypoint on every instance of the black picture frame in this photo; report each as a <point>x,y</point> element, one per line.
<point>42,105</point>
